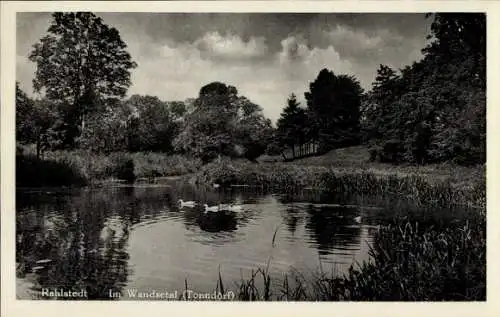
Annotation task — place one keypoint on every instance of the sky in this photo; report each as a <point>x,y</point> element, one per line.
<point>266,56</point>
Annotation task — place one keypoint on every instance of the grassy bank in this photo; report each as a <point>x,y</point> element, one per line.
<point>411,261</point>
<point>445,185</point>
<point>340,171</point>
<point>77,168</point>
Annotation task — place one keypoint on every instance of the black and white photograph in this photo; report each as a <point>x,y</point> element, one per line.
<point>250,156</point>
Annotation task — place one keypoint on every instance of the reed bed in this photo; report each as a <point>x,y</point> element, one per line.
<point>78,168</point>
<point>410,261</point>
<point>419,188</point>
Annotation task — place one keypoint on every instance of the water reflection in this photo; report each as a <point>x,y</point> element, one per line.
<point>72,249</point>
<point>108,239</point>
<point>291,217</point>
<point>210,222</point>
<point>332,227</point>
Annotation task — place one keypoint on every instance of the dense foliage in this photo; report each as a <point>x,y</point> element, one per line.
<point>435,109</point>
<point>223,123</point>
<point>35,120</point>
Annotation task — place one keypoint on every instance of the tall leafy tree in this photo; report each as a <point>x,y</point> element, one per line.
<point>334,102</point>
<point>81,64</point>
<point>223,123</point>
<point>385,90</point>
<point>151,124</point>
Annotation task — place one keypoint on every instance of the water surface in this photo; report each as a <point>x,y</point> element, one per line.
<point>109,241</point>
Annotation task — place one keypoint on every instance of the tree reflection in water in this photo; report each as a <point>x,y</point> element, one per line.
<point>78,247</point>
<point>332,227</point>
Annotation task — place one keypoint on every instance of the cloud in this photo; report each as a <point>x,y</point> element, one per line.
<point>298,62</point>
<point>230,47</point>
<point>369,49</point>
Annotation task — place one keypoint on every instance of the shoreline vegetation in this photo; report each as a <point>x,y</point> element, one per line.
<point>339,171</point>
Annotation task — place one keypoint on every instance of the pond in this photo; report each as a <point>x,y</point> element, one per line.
<point>115,241</point>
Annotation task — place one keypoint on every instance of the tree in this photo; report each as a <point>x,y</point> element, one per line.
<point>81,65</point>
<point>223,123</point>
<point>385,90</point>
<point>460,36</point>
<point>435,110</point>
<point>35,121</point>
<point>334,102</point>
<point>151,126</point>
<point>177,108</point>
<point>292,124</point>
<point>24,110</point>
<point>254,132</point>
<point>106,131</point>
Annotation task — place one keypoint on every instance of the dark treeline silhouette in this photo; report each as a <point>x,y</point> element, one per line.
<point>435,109</point>
<point>431,111</point>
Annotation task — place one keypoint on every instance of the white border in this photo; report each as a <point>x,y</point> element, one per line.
<point>12,307</point>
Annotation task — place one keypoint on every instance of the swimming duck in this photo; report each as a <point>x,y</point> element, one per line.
<point>357,219</point>
<point>235,208</point>
<point>212,209</point>
<point>186,203</point>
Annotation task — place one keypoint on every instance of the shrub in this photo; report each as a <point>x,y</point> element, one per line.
<point>34,172</point>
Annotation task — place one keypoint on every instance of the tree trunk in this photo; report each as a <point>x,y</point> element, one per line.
<point>83,124</point>
<point>38,146</point>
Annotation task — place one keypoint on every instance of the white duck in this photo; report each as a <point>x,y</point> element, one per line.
<point>230,207</point>
<point>183,203</point>
<point>235,208</point>
<point>357,219</point>
<point>212,209</point>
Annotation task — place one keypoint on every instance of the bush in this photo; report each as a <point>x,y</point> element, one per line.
<point>413,261</point>
<point>34,172</point>
<point>124,170</point>
<point>391,151</point>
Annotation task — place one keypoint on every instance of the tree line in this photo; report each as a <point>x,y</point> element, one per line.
<point>431,111</point>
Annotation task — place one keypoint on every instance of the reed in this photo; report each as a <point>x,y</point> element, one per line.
<point>410,261</point>
<point>420,188</point>
<point>33,172</point>
<point>57,167</point>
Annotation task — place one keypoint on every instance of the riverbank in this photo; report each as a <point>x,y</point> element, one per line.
<point>445,185</point>
<point>343,171</point>
<point>80,168</point>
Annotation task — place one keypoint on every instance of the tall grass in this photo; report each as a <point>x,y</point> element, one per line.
<point>410,261</point>
<point>33,172</point>
<point>420,188</point>
<point>55,168</point>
